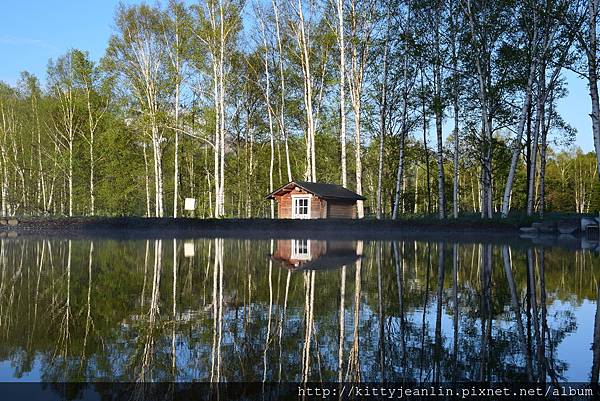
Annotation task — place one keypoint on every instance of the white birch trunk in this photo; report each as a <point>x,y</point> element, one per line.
<point>592,54</point>
<point>357,66</point>
<point>146,180</point>
<point>438,109</point>
<point>383,118</point>
<point>486,192</point>
<point>222,108</point>
<point>517,145</point>
<point>41,184</point>
<point>282,89</point>
<point>403,134</point>
<point>540,105</point>
<point>303,43</point>
<point>342,69</point>
<point>270,114</point>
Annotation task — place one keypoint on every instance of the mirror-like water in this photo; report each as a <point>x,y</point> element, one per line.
<point>294,310</point>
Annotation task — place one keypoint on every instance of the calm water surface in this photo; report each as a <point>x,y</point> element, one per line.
<point>293,310</point>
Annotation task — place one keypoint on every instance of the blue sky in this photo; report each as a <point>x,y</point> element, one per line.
<point>32,31</point>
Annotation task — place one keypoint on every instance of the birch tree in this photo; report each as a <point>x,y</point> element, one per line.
<point>175,24</point>
<point>516,152</point>
<point>487,26</point>
<point>436,56</point>
<point>407,82</point>
<point>361,27</point>
<point>383,118</point>
<point>342,87</point>
<point>453,20</point>
<point>592,59</point>
<point>138,56</point>
<point>35,94</point>
<point>583,23</point>
<point>7,130</point>
<point>302,33</point>
<point>555,48</point>
<point>217,25</point>
<point>267,92</point>
<point>282,129</point>
<point>96,105</point>
<point>62,83</point>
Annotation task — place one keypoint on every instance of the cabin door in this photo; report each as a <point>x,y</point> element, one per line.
<point>301,207</point>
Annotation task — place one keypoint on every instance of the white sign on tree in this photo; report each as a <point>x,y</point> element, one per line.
<point>190,204</point>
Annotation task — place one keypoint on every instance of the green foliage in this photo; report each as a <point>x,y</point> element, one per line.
<point>129,99</point>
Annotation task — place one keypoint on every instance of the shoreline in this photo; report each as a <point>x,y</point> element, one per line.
<point>123,228</point>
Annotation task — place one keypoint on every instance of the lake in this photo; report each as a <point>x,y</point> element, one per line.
<point>296,310</point>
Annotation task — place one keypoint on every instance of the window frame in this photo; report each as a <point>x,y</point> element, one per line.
<point>294,249</point>
<point>302,216</point>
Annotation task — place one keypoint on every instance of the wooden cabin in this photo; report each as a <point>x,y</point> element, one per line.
<point>315,200</point>
<point>306,254</point>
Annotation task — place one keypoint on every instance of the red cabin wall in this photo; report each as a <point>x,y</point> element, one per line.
<point>319,208</point>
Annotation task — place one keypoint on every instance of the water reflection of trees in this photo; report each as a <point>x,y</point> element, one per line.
<point>407,311</point>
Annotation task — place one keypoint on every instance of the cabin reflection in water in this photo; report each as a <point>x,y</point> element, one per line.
<point>307,254</point>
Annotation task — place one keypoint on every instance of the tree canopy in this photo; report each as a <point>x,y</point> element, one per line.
<point>424,107</point>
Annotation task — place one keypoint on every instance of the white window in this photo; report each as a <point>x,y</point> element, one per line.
<point>301,206</point>
<point>301,249</point>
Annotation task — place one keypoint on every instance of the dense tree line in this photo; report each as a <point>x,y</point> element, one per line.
<point>428,107</point>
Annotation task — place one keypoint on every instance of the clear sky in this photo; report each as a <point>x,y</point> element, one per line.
<point>32,31</point>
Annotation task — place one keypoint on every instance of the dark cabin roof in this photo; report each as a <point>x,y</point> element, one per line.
<point>322,190</point>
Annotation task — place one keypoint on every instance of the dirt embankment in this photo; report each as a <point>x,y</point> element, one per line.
<point>135,227</point>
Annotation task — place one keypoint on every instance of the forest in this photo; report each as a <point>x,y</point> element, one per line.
<point>439,107</point>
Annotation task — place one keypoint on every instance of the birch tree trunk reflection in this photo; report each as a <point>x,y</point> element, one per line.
<point>424,320</point>
<point>342,313</point>
<point>268,337</point>
<point>455,266</point>
<point>594,377</point>
<point>3,311</point>
<point>143,296</point>
<point>399,263</point>
<point>215,371</point>
<point>533,301</point>
<point>438,316</point>
<point>485,310</point>
<point>381,317</point>
<point>282,321</point>
<point>309,298</point>
<point>40,264</point>
<point>174,312</point>
<point>65,338</point>
<point>542,339</point>
<point>145,373</point>
<point>353,373</point>
<point>88,319</point>
<point>506,257</point>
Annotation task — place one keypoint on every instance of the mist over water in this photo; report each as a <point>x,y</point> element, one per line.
<point>296,310</point>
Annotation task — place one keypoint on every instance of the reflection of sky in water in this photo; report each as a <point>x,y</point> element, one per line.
<point>575,348</point>
<point>123,274</point>
<point>7,372</point>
